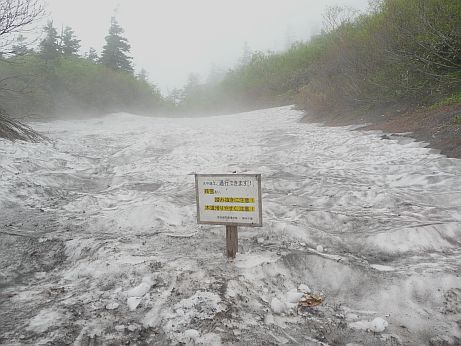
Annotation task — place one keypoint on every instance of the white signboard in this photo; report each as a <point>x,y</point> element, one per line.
<point>229,199</point>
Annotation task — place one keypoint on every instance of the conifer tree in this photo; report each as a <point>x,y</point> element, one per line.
<point>92,55</point>
<point>49,47</point>
<point>70,45</point>
<point>115,51</point>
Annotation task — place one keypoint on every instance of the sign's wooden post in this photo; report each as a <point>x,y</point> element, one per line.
<point>232,200</point>
<point>232,241</point>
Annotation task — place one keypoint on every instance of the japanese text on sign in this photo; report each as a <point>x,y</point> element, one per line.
<point>232,199</point>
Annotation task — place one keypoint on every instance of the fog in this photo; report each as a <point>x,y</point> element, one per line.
<point>172,38</point>
<point>307,195</point>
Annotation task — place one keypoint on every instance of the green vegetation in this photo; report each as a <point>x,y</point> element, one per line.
<point>73,85</point>
<point>56,80</point>
<point>401,51</point>
<point>115,51</point>
<point>450,100</point>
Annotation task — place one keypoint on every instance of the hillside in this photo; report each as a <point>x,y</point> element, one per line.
<point>399,58</point>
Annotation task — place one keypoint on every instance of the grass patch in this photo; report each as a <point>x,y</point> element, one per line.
<point>451,100</point>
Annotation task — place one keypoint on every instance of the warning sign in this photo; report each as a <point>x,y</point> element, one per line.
<point>229,199</point>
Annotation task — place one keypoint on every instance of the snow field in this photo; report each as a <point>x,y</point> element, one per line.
<point>375,225</point>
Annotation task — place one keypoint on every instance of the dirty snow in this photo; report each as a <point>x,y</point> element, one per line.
<point>378,325</point>
<point>43,320</point>
<point>99,242</point>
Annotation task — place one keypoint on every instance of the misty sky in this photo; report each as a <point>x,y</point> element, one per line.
<point>172,38</point>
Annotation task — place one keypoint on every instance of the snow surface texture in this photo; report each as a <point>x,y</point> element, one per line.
<point>99,241</point>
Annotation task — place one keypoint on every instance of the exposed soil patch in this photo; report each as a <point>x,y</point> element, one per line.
<point>441,127</point>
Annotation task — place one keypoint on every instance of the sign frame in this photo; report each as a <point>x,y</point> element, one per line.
<point>259,202</point>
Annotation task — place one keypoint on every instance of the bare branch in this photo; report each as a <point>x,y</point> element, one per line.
<point>16,16</point>
<point>14,130</point>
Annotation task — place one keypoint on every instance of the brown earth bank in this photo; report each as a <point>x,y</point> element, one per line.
<point>440,127</point>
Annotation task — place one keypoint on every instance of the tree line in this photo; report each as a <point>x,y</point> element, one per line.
<point>55,79</point>
<point>398,52</point>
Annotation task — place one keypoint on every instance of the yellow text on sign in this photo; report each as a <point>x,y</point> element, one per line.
<point>233,200</point>
<point>209,191</point>
<point>229,208</point>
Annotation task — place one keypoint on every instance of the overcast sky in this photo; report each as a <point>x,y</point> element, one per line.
<point>172,38</point>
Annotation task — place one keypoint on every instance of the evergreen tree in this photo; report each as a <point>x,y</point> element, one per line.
<point>92,55</point>
<point>70,45</point>
<point>49,47</point>
<point>115,51</point>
